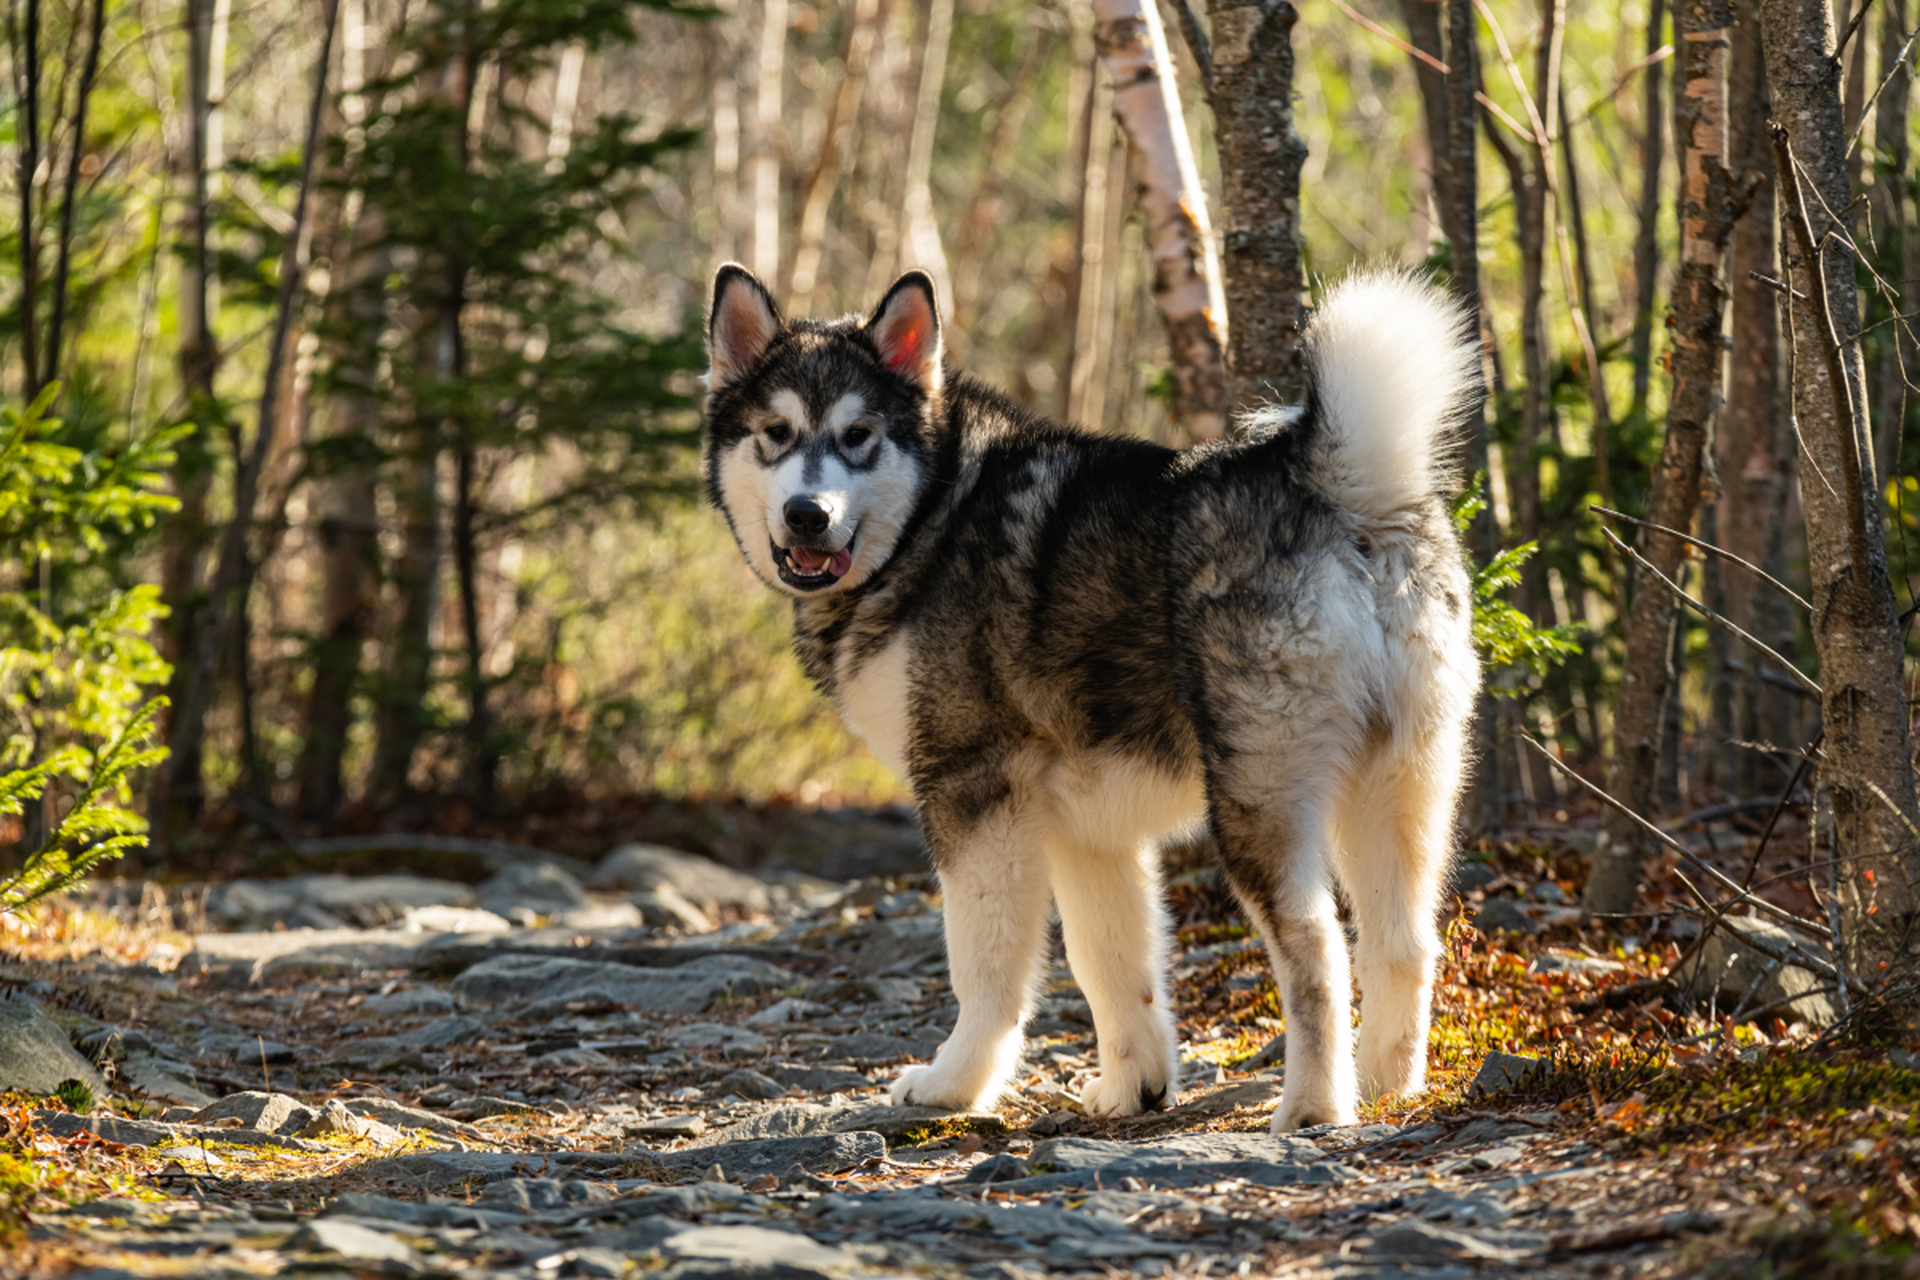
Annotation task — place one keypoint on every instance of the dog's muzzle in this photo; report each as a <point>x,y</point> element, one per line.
<point>805,565</point>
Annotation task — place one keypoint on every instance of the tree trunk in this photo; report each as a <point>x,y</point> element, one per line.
<point>176,793</point>
<point>402,718</point>
<point>27,75</point>
<point>1423,33</point>
<point>1755,446</point>
<point>1251,90</point>
<point>1535,217</point>
<point>1867,756</point>
<point>835,158</point>
<point>346,497</point>
<point>1173,209</point>
<point>1699,296</point>
<point>1890,152</point>
<point>922,247</point>
<point>1084,286</point>
<point>1646,247</point>
<point>1457,181</point>
<point>763,147</point>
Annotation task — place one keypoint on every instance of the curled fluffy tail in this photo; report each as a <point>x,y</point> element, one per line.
<point>1395,365</point>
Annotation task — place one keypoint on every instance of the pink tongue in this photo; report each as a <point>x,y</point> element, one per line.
<point>809,561</point>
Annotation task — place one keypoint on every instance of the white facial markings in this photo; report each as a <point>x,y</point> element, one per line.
<point>786,404</point>
<point>743,492</point>
<point>844,411</point>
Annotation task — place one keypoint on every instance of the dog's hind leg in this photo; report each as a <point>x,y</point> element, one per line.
<point>1393,830</point>
<point>993,880</point>
<point>1278,860</point>
<point>1115,923</point>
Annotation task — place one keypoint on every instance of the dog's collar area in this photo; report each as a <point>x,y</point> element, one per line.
<point>811,568</point>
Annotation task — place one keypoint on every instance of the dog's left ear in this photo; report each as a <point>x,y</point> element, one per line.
<point>742,323</point>
<point>905,328</point>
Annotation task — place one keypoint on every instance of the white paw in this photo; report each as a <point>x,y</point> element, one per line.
<point>1125,1094</point>
<point>1307,1112</point>
<point>931,1086</point>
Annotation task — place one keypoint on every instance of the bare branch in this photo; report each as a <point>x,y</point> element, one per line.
<point>1722,552</point>
<point>1719,877</point>
<point>1806,682</point>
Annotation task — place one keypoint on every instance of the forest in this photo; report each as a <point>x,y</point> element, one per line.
<point>354,352</point>
<point>351,359</point>
<point>353,362</point>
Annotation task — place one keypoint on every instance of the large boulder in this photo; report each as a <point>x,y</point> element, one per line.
<point>35,1055</point>
<point>646,868</point>
<point>1732,969</point>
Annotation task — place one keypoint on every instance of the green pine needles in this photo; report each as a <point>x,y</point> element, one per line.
<point>1505,636</point>
<point>75,658</point>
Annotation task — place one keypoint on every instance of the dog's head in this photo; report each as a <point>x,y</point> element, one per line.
<point>819,434</point>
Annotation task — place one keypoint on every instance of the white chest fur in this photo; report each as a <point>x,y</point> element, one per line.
<point>874,697</point>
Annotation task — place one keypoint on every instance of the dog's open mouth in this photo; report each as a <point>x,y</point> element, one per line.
<point>809,568</point>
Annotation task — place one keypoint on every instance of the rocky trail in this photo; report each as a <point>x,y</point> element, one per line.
<point>659,1066</point>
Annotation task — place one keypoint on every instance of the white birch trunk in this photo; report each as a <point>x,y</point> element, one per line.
<point>1173,209</point>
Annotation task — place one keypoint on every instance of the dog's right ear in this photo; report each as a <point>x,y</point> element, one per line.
<point>741,325</point>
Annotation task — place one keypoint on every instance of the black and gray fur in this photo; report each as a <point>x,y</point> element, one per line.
<point>1074,646</point>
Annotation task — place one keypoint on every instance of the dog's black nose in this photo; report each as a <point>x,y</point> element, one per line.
<point>807,518</point>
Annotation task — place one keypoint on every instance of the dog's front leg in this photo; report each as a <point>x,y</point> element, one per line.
<point>1116,931</point>
<point>994,883</point>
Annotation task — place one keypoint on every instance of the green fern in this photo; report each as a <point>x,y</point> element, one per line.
<point>1505,636</point>
<point>74,714</point>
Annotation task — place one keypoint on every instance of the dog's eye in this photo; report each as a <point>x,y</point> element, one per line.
<point>779,432</point>
<point>858,434</point>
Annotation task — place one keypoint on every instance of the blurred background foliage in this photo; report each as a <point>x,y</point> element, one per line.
<point>411,294</point>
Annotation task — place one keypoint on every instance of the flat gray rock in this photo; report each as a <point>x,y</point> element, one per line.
<point>255,959</point>
<point>804,1118</point>
<point>406,1118</point>
<point>537,887</point>
<point>367,901</point>
<point>443,1032</point>
<point>742,1162</point>
<point>749,1244</point>
<point>524,979</point>
<point>36,1056</point>
<point>267,1112</point>
<point>1730,970</point>
<point>349,1240</point>
<point>164,1081</point>
<point>645,868</point>
<point>412,1000</point>
<point>146,1133</point>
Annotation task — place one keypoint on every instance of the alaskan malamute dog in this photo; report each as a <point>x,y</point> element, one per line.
<point>1075,646</point>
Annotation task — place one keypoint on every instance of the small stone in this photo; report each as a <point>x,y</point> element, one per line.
<point>675,1126</point>
<point>1503,915</point>
<point>714,1173</point>
<point>1501,1072</point>
<point>1001,1168</point>
<point>701,881</point>
<point>267,1112</point>
<point>781,1012</point>
<point>349,1240</point>
<point>664,907</point>
<point>751,1084</point>
<point>192,1155</point>
<point>411,1000</point>
<point>538,887</point>
<point>1055,1122</point>
<point>334,1120</point>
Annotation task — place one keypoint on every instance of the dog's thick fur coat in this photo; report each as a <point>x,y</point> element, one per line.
<point>1075,646</point>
